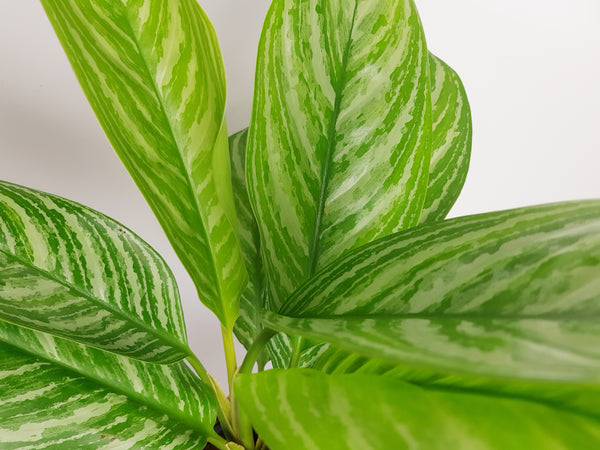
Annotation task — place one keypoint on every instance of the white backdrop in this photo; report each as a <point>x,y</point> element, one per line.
<point>531,69</point>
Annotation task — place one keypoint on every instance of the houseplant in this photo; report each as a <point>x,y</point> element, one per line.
<point>457,326</point>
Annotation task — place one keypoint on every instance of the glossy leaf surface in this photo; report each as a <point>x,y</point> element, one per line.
<point>152,72</point>
<point>73,272</point>
<point>247,325</point>
<point>166,389</point>
<point>511,294</point>
<point>301,409</point>
<point>339,140</point>
<point>451,143</point>
<point>582,398</point>
<point>47,406</point>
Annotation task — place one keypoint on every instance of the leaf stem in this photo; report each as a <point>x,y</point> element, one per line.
<point>242,425</point>
<point>230,359</point>
<point>223,407</point>
<point>241,422</point>
<point>218,442</point>
<point>260,444</point>
<point>256,349</point>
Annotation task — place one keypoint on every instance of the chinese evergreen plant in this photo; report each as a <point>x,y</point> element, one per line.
<point>316,236</point>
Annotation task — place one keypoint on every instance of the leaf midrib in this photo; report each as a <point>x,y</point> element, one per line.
<point>100,303</point>
<point>331,144</point>
<point>188,175</point>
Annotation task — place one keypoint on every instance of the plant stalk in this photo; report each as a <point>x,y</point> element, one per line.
<point>218,442</point>
<point>242,425</point>
<point>241,422</point>
<point>223,408</point>
<point>260,444</point>
<point>230,359</point>
<point>255,350</point>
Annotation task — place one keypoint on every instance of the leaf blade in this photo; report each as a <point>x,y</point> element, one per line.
<point>580,398</point>
<point>171,389</point>
<point>153,74</point>
<point>499,294</point>
<point>451,144</point>
<point>45,405</point>
<point>322,112</point>
<point>73,272</point>
<point>304,406</point>
<point>247,325</point>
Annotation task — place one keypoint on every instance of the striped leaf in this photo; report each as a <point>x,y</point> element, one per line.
<point>451,144</point>
<point>302,409</point>
<point>73,272</point>
<point>512,294</point>
<point>46,405</point>
<point>32,386</point>
<point>339,140</point>
<point>247,325</point>
<point>152,72</point>
<point>582,398</point>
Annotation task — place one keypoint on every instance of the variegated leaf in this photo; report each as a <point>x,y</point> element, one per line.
<point>451,145</point>
<point>73,272</point>
<point>247,325</point>
<point>170,390</point>
<point>44,405</point>
<point>153,73</point>
<point>339,140</point>
<point>582,398</point>
<point>302,409</point>
<point>512,294</point>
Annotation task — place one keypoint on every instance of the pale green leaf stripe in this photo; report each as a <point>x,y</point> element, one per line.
<point>302,409</point>
<point>43,405</point>
<point>153,73</point>
<point>73,272</point>
<point>558,348</point>
<point>339,140</point>
<point>247,325</point>
<point>170,389</point>
<point>512,294</point>
<point>451,144</point>
<point>576,397</point>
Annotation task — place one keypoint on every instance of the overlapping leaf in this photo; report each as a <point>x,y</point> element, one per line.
<point>247,325</point>
<point>300,409</point>
<point>451,147</point>
<point>73,272</point>
<point>511,294</point>
<point>153,73</point>
<point>339,141</point>
<point>451,143</point>
<point>45,405</point>
<point>53,389</point>
<point>581,398</point>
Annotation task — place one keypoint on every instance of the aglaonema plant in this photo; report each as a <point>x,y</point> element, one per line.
<point>316,236</point>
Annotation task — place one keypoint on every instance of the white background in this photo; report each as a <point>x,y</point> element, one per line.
<point>531,69</point>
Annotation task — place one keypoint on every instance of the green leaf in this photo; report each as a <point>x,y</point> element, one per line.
<point>340,135</point>
<point>247,325</point>
<point>583,398</point>
<point>152,72</point>
<point>507,294</point>
<point>52,389</point>
<point>452,136</point>
<point>300,409</point>
<point>73,272</point>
